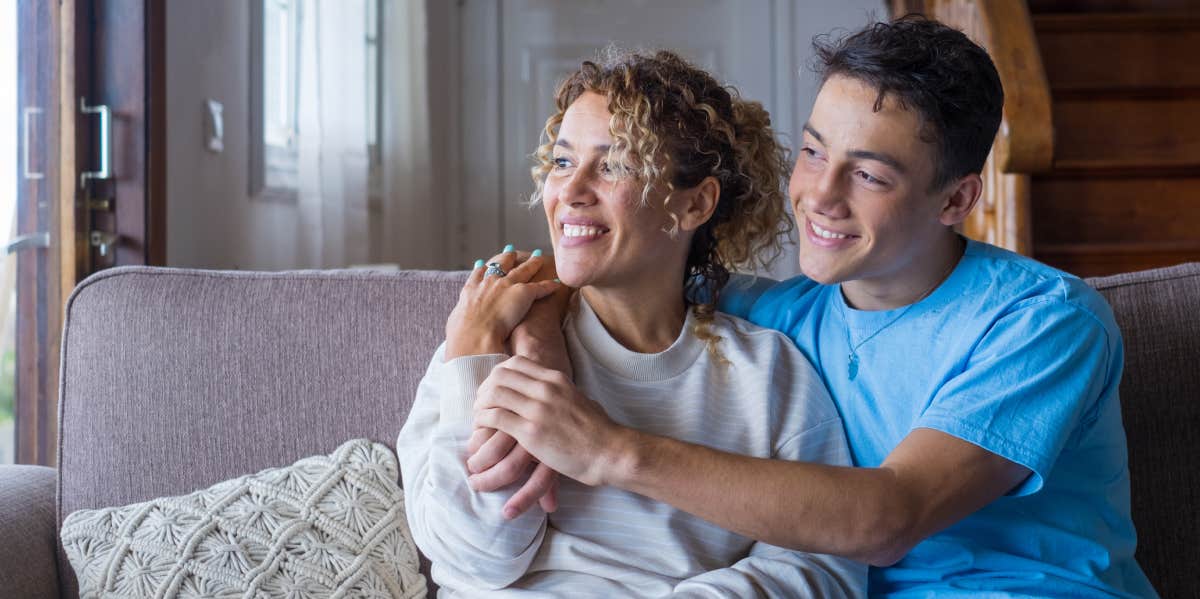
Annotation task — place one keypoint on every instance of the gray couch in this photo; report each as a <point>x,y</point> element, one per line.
<point>173,380</point>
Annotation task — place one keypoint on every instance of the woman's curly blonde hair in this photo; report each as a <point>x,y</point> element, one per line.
<point>673,125</point>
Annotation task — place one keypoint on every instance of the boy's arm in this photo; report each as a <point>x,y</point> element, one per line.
<point>773,571</point>
<point>873,515</point>
<point>997,427</point>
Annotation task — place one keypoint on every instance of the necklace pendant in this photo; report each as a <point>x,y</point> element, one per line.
<point>853,359</point>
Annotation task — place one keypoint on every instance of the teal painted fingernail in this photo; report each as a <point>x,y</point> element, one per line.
<point>557,281</point>
<point>537,253</point>
<point>508,248</point>
<point>478,263</point>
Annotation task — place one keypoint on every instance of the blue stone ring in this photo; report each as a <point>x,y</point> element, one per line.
<point>493,268</point>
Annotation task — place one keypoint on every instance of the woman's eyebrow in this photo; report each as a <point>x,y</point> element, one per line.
<point>566,144</point>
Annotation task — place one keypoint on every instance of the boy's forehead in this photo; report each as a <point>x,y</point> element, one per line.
<point>846,119</point>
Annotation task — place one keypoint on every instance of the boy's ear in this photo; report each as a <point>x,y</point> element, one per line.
<point>961,196</point>
<point>696,205</point>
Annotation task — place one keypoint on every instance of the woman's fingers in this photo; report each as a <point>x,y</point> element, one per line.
<point>479,436</point>
<point>549,501</point>
<point>490,452</point>
<point>527,269</point>
<point>477,273</point>
<point>506,472</point>
<point>540,484</point>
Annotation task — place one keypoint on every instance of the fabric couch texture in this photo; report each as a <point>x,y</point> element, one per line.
<point>227,373</point>
<point>223,373</point>
<point>1159,315</point>
<point>28,536</point>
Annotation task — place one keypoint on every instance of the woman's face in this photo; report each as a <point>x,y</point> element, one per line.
<point>603,234</point>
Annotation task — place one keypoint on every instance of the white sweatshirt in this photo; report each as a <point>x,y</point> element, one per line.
<point>604,542</point>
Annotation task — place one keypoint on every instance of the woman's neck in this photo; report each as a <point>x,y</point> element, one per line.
<point>645,320</point>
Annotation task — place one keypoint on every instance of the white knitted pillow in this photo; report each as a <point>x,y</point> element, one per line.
<point>326,526</point>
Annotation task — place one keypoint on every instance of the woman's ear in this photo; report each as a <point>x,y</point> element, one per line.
<point>962,197</point>
<point>696,205</point>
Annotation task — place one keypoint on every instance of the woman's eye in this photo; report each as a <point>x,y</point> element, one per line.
<point>561,163</point>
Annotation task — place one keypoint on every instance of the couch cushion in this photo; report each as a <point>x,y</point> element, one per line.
<point>173,380</point>
<point>325,526</point>
<point>1159,315</point>
<point>27,533</point>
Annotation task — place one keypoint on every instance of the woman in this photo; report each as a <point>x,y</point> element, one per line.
<point>655,181</point>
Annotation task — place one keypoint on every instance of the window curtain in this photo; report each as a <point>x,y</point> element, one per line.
<point>332,137</point>
<point>413,227</point>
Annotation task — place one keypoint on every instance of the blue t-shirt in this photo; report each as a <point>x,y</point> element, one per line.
<point>1010,355</point>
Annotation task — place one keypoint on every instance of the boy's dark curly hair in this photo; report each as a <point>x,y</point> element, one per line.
<point>929,67</point>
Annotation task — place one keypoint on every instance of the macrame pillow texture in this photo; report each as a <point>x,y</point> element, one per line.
<point>326,526</point>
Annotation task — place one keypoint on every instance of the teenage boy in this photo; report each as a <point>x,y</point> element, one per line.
<point>978,387</point>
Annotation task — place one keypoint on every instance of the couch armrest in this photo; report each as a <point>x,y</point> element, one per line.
<point>29,546</point>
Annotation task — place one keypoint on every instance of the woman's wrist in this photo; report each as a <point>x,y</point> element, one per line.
<point>474,345</point>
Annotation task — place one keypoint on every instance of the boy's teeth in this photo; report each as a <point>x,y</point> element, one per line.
<point>827,234</point>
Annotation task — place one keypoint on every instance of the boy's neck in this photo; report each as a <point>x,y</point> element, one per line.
<point>909,284</point>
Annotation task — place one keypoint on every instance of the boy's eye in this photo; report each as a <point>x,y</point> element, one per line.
<point>810,153</point>
<point>865,176</point>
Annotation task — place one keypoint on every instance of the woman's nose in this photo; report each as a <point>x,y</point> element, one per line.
<point>578,190</point>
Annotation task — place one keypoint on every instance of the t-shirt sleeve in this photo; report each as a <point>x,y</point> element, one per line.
<point>740,293</point>
<point>1031,382</point>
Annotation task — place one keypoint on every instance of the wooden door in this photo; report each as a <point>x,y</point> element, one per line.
<point>37,243</point>
<point>122,133</point>
<point>89,181</point>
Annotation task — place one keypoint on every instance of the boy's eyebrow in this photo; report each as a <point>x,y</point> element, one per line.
<point>866,154</point>
<point>878,157</point>
<point>813,132</point>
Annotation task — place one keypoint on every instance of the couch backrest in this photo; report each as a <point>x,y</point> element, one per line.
<point>177,379</point>
<point>173,380</point>
<point>1159,314</point>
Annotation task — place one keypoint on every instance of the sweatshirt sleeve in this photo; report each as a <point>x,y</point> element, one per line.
<point>461,531</point>
<point>771,571</point>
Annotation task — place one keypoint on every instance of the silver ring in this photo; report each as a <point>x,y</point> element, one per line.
<point>493,268</point>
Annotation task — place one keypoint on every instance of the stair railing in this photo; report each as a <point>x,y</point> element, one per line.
<point>1025,142</point>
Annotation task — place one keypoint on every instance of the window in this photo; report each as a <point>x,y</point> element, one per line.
<point>274,98</point>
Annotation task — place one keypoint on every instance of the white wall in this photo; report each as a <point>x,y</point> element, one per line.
<point>211,220</point>
<point>213,223</point>
<point>511,53</point>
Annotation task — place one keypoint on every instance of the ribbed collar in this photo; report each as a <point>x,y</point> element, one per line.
<point>609,353</point>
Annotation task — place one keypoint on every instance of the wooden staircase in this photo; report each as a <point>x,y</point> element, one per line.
<point>1123,192</point>
<point>1114,185</point>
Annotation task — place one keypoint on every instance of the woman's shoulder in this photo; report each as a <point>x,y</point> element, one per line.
<point>768,358</point>
<point>757,344</point>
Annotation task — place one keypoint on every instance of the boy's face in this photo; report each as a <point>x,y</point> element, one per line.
<point>861,190</point>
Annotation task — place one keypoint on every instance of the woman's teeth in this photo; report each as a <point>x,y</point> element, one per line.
<point>581,231</point>
<point>827,234</point>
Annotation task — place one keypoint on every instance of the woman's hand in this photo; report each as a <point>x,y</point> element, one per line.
<point>490,306</point>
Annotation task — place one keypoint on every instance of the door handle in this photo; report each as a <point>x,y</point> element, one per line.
<point>26,117</point>
<point>103,241</point>
<point>105,141</point>
<point>25,242</point>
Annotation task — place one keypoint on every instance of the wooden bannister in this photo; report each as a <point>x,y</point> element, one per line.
<point>1025,142</point>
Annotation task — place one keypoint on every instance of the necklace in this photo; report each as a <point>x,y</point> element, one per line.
<point>852,358</point>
